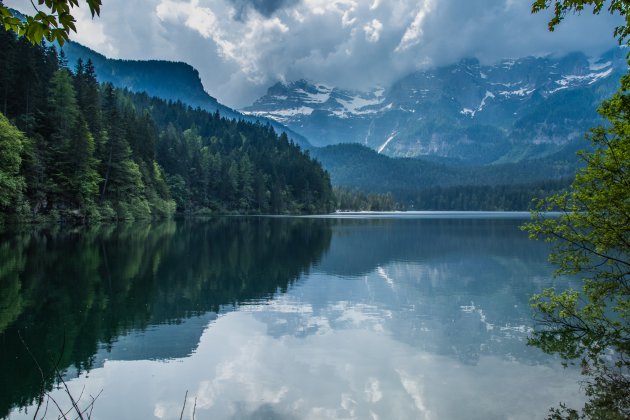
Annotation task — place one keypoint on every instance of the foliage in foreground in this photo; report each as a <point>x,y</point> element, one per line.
<point>53,20</point>
<point>562,7</point>
<point>591,238</point>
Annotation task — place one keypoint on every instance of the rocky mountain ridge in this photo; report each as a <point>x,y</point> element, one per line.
<point>506,112</point>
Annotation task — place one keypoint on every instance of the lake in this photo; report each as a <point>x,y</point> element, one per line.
<point>353,316</point>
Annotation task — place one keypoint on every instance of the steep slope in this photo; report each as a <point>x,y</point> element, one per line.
<point>164,79</point>
<point>172,81</point>
<point>513,110</point>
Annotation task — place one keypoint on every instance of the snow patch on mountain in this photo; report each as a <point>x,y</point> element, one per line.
<point>319,97</point>
<point>596,65</point>
<point>573,79</point>
<point>389,139</point>
<point>589,78</point>
<point>489,95</point>
<point>471,113</point>
<point>518,92</point>
<point>302,98</point>
<point>358,105</point>
<point>508,64</point>
<point>283,115</point>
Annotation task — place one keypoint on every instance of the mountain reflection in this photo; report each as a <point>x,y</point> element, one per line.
<point>455,287</point>
<point>69,293</point>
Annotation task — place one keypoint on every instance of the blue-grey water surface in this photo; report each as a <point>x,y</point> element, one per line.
<point>354,316</point>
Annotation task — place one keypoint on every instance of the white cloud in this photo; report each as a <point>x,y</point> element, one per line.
<point>414,32</point>
<point>243,50</point>
<point>92,33</point>
<point>373,30</point>
<point>194,17</point>
<point>347,19</point>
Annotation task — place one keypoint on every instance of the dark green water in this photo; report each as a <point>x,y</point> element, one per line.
<point>280,318</point>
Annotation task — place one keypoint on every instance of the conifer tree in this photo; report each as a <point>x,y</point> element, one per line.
<point>63,115</point>
<point>11,183</point>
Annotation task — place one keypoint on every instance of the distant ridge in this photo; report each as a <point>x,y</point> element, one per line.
<point>174,81</point>
<point>360,168</point>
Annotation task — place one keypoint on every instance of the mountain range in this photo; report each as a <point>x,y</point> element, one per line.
<point>510,111</point>
<point>518,122</point>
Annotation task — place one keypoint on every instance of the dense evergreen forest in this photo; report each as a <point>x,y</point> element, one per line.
<point>72,149</point>
<point>355,166</point>
<point>460,197</point>
<point>365,179</point>
<point>353,200</point>
<point>483,197</point>
<point>164,79</point>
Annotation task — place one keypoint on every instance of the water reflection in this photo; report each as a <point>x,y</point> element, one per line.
<point>286,318</point>
<point>454,287</point>
<point>71,293</point>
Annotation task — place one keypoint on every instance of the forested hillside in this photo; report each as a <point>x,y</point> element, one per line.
<point>76,150</point>
<point>422,184</point>
<point>172,81</point>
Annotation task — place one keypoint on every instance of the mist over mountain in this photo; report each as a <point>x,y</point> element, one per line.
<point>513,110</point>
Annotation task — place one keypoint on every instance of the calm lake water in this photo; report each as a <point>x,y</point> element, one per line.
<point>409,316</point>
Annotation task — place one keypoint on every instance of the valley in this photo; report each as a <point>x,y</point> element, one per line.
<point>509,129</point>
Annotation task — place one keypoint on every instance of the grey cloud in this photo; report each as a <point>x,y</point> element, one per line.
<point>264,7</point>
<point>241,47</point>
<point>491,30</point>
<point>322,49</point>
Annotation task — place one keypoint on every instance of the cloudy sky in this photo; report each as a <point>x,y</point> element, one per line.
<point>241,47</point>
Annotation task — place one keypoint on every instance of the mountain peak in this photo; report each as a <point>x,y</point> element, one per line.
<point>469,62</point>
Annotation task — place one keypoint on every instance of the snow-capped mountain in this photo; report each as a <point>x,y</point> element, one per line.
<point>291,103</point>
<point>508,111</point>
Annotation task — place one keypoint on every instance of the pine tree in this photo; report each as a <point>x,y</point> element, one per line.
<point>89,99</point>
<point>63,115</point>
<point>11,182</point>
<point>246,183</point>
<point>83,177</point>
